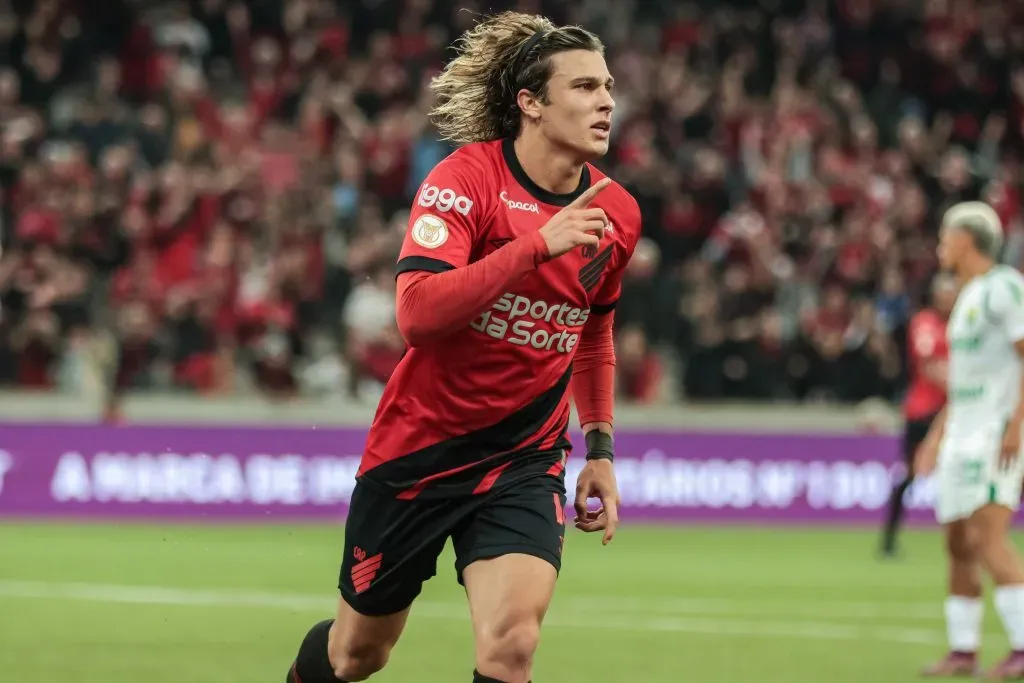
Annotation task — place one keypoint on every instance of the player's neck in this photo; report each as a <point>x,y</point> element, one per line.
<point>550,168</point>
<point>975,267</point>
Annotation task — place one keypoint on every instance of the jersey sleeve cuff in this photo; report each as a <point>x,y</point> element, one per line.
<point>425,263</point>
<point>596,416</point>
<point>603,309</point>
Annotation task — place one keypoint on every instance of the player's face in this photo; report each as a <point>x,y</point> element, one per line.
<point>578,114</point>
<point>952,243</point>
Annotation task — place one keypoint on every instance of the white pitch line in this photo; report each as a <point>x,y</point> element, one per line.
<point>156,595</point>
<point>572,614</point>
<point>906,611</point>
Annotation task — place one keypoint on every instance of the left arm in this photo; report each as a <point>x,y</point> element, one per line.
<point>593,390</point>
<point>1018,412</point>
<point>593,374</point>
<point>1010,450</point>
<point>1015,425</point>
<point>593,377</point>
<point>1005,302</point>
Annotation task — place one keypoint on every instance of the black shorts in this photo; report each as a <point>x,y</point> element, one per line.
<point>392,545</point>
<point>914,434</point>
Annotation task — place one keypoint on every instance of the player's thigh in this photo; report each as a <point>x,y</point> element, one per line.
<point>964,474</point>
<point>527,518</point>
<point>508,597</point>
<point>508,555</point>
<point>956,498</point>
<point>391,548</point>
<point>992,519</point>
<point>974,486</point>
<point>1005,487</point>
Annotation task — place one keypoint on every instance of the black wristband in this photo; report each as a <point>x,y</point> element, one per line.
<point>600,445</point>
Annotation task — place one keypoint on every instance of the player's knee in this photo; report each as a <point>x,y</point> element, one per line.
<point>963,547</point>
<point>512,645</point>
<point>992,550</point>
<point>358,661</point>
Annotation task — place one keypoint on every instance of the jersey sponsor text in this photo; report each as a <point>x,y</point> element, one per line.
<point>443,200</point>
<point>535,323</point>
<point>531,207</point>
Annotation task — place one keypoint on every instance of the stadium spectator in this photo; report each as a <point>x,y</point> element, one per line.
<point>213,184</point>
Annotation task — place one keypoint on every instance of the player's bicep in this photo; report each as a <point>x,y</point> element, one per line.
<point>442,223</point>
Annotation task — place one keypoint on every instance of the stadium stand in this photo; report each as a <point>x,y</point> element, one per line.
<point>209,196</point>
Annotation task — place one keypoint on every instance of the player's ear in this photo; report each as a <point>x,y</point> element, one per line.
<point>529,104</point>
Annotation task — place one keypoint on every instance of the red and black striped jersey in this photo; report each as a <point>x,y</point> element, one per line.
<point>490,401</point>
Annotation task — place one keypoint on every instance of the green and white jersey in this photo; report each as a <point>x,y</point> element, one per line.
<point>984,368</point>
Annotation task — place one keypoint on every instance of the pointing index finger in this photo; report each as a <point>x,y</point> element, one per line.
<point>589,194</point>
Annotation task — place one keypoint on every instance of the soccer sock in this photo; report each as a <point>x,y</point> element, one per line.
<point>1010,605</point>
<point>963,623</point>
<point>312,664</point>
<point>895,515</point>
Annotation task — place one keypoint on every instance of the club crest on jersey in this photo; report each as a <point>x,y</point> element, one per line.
<point>429,231</point>
<point>591,273</point>
<point>590,250</point>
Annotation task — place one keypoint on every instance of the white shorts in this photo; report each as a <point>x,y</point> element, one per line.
<point>969,477</point>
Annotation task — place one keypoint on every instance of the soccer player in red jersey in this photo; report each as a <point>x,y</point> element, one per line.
<point>928,355</point>
<point>507,281</point>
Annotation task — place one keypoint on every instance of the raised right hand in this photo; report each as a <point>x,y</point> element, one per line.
<point>576,224</point>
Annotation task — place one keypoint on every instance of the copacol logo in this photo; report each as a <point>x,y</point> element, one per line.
<point>518,206</point>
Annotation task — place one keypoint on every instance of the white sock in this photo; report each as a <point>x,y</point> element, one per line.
<point>1010,605</point>
<point>963,623</point>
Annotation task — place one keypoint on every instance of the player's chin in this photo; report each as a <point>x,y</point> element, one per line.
<point>594,146</point>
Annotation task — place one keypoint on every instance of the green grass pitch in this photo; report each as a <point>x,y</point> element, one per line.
<point>183,604</point>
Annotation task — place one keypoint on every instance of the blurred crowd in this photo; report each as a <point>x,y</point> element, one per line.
<point>209,195</point>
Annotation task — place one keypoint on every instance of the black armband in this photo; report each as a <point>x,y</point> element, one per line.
<point>600,445</point>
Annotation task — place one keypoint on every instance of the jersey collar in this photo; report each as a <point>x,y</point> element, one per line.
<point>508,150</point>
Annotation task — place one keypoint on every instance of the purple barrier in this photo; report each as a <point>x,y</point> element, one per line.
<point>291,473</point>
